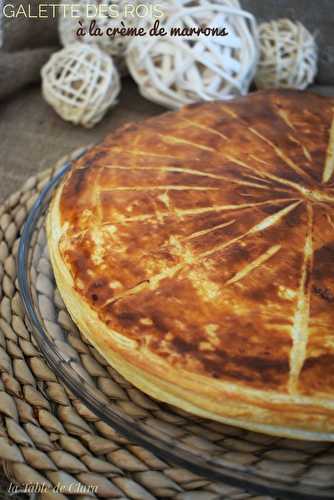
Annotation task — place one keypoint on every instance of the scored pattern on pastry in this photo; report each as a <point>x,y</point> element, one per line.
<point>300,328</point>
<point>329,165</point>
<point>205,237</point>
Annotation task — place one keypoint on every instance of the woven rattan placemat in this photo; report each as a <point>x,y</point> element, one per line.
<point>50,438</point>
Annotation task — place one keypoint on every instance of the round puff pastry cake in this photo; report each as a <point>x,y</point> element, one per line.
<point>195,251</point>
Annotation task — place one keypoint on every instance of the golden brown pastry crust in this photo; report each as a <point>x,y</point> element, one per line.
<point>196,251</point>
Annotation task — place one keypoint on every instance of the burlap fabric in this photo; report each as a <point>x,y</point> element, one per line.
<point>27,44</point>
<point>32,136</point>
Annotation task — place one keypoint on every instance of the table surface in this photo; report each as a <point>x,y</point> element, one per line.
<point>33,137</point>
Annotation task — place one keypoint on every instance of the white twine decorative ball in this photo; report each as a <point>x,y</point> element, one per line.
<point>178,70</point>
<point>104,14</point>
<point>81,83</point>
<point>288,55</point>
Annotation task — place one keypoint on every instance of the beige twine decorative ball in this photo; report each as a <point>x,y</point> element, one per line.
<point>81,83</point>
<point>178,70</point>
<point>105,14</point>
<point>288,55</point>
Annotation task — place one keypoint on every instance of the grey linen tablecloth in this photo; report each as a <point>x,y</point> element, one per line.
<point>33,137</point>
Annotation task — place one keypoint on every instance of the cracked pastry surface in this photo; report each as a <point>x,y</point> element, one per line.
<point>195,250</point>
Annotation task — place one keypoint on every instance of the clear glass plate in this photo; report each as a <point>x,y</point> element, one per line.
<point>255,462</point>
